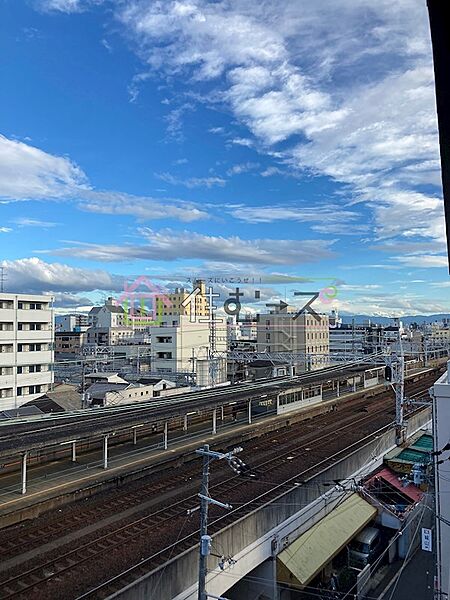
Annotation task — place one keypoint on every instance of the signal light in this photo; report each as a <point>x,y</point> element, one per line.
<point>388,373</point>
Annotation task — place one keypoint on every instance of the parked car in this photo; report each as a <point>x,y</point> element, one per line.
<point>365,548</point>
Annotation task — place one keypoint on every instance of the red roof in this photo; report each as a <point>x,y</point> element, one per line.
<point>410,491</point>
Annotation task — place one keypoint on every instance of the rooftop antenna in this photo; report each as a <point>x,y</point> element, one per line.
<point>2,278</point>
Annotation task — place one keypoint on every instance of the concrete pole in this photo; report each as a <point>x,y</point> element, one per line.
<point>166,435</point>
<point>24,472</point>
<point>105,451</point>
<point>249,411</point>
<point>134,436</point>
<point>185,423</point>
<point>221,413</point>
<point>214,421</point>
<point>74,452</point>
<point>354,384</point>
<point>399,400</point>
<point>202,595</point>
<point>337,389</point>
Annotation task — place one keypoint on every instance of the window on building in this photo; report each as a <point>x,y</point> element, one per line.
<point>31,347</point>
<point>6,370</point>
<point>6,392</point>
<point>6,348</point>
<point>6,304</point>
<point>6,326</point>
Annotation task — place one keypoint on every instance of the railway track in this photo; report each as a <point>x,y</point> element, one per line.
<point>159,483</point>
<point>277,466</point>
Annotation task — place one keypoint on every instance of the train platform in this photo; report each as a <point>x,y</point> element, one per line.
<point>61,481</point>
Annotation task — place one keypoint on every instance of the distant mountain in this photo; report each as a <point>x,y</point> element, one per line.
<point>389,321</point>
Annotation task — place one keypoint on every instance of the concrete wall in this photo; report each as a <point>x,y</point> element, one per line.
<point>441,415</point>
<point>250,540</point>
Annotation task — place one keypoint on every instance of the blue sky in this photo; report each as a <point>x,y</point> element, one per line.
<point>227,138</point>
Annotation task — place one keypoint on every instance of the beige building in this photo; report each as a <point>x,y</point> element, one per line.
<point>179,343</point>
<point>69,342</point>
<point>184,302</point>
<point>26,348</point>
<point>440,334</point>
<point>279,331</point>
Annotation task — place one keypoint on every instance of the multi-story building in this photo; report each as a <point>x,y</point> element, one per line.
<point>177,344</point>
<point>69,342</point>
<point>347,339</point>
<point>26,348</point>
<point>113,324</point>
<point>184,302</point>
<point>109,315</point>
<point>74,322</point>
<point>109,336</point>
<point>440,334</point>
<point>282,331</point>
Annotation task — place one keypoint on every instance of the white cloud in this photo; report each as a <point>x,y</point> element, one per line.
<point>242,168</point>
<point>243,142</point>
<point>143,208</point>
<point>24,222</point>
<point>192,182</point>
<point>174,120</point>
<point>423,260</point>
<point>168,245</point>
<point>441,284</point>
<point>353,101</point>
<point>33,275</point>
<point>389,305</point>
<point>66,6</point>
<point>5,229</point>
<point>270,171</point>
<point>28,173</point>
<point>326,218</point>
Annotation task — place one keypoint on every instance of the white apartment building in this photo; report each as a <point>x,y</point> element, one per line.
<point>279,331</point>
<point>177,344</point>
<point>109,315</point>
<point>74,322</point>
<point>112,324</point>
<point>26,348</point>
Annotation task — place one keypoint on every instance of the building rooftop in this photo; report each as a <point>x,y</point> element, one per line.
<point>97,391</point>
<point>387,476</point>
<point>22,411</point>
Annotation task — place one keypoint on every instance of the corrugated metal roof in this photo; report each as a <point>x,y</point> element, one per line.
<point>425,442</point>
<point>413,456</point>
<point>410,491</point>
<point>305,557</point>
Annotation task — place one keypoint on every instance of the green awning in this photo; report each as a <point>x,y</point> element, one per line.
<point>308,554</point>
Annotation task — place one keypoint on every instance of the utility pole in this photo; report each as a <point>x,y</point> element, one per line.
<point>204,504</point>
<point>399,389</point>
<point>399,399</point>
<point>239,467</point>
<point>2,278</point>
